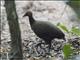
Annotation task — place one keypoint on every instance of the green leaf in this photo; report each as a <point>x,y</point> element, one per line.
<point>67,50</point>
<point>63,27</point>
<point>75,31</point>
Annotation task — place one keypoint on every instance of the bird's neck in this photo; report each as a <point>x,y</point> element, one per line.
<point>31,20</point>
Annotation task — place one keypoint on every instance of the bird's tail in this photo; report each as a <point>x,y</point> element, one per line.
<point>65,40</point>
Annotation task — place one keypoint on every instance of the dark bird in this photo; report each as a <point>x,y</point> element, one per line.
<point>44,29</point>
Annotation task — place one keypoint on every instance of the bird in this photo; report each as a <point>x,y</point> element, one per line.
<point>44,29</point>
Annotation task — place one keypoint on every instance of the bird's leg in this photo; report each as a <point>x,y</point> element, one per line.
<point>49,48</point>
<point>49,42</point>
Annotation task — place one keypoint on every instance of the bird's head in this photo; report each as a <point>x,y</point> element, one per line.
<point>28,13</point>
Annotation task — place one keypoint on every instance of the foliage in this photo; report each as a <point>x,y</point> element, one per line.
<point>67,49</point>
<point>75,4</point>
<point>75,30</point>
<point>63,27</point>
